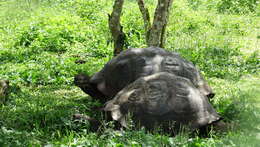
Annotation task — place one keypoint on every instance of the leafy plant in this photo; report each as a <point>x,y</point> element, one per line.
<point>223,62</point>
<point>42,41</point>
<point>238,6</point>
<point>54,34</point>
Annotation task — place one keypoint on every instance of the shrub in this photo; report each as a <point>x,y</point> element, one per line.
<point>55,34</point>
<point>222,62</point>
<point>226,6</point>
<point>238,6</point>
<point>87,10</point>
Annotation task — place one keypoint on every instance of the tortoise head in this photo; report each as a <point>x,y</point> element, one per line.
<point>81,80</point>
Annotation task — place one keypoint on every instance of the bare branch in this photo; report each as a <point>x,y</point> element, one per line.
<point>157,33</point>
<point>146,17</point>
<point>116,28</point>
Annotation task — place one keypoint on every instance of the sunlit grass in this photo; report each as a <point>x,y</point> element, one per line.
<point>41,40</point>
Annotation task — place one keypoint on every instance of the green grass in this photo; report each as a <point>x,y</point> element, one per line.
<point>41,40</point>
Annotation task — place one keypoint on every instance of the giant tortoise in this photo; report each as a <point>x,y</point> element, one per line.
<point>134,63</point>
<point>162,99</point>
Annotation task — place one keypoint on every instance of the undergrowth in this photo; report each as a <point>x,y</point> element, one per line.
<point>41,43</point>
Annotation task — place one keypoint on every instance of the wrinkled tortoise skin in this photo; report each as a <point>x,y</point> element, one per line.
<point>164,100</point>
<point>134,63</point>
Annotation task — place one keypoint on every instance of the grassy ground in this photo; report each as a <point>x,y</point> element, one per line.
<point>41,40</point>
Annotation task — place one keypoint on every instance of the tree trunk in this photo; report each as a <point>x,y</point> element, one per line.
<point>154,34</point>
<point>157,33</point>
<point>146,17</point>
<point>116,28</point>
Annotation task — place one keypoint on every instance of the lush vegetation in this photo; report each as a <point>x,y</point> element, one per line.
<point>40,42</point>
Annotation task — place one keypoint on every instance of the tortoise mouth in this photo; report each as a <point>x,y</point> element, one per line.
<point>80,83</point>
<point>81,79</point>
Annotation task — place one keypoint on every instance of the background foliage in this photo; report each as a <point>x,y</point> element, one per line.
<point>41,42</point>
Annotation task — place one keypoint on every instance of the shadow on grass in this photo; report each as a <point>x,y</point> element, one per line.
<point>43,112</point>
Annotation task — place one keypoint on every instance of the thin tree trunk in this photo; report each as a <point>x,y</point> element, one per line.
<point>158,29</point>
<point>146,17</point>
<point>154,34</point>
<point>116,28</point>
